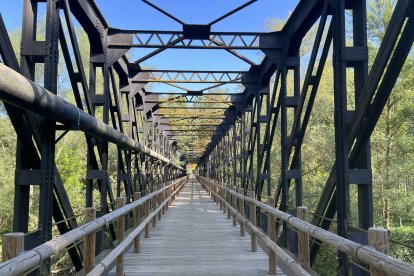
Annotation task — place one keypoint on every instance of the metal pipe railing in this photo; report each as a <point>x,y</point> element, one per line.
<point>17,90</point>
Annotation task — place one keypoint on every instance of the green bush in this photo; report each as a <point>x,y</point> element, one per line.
<point>398,237</point>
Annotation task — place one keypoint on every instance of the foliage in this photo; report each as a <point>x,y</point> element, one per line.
<point>392,143</point>
<point>71,160</point>
<point>399,237</point>
<point>326,262</point>
<point>393,135</point>
<point>7,166</point>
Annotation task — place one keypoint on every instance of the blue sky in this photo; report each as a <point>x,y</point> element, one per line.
<point>135,14</point>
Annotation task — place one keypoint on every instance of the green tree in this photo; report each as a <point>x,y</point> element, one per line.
<point>392,141</point>
<point>393,134</point>
<point>7,167</point>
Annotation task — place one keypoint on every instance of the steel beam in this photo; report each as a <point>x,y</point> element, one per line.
<point>17,90</point>
<point>188,76</point>
<point>205,40</point>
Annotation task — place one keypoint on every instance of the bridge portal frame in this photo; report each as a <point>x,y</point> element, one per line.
<point>244,134</point>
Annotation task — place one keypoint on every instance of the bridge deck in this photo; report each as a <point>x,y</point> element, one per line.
<point>195,238</point>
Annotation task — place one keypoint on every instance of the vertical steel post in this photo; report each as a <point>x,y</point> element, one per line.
<point>341,143</point>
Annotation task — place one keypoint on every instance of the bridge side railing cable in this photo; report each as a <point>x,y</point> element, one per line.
<point>367,254</point>
<point>28,260</point>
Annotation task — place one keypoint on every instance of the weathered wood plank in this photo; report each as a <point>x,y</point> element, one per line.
<point>195,238</point>
<point>89,243</point>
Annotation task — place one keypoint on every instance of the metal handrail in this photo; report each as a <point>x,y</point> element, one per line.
<point>17,90</point>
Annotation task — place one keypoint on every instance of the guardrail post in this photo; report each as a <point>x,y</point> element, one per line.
<point>224,194</point>
<point>241,207</point>
<point>253,237</point>
<point>147,212</point>
<point>164,196</point>
<point>207,184</point>
<point>172,190</point>
<point>160,199</point>
<point>303,240</point>
<point>378,238</point>
<point>167,195</point>
<point>234,204</point>
<point>120,235</point>
<point>228,199</point>
<point>137,221</point>
<point>220,195</point>
<point>13,245</point>
<point>89,242</point>
<point>271,231</point>
<point>216,190</point>
<point>154,206</point>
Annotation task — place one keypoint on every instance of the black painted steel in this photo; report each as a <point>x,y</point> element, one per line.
<point>235,132</point>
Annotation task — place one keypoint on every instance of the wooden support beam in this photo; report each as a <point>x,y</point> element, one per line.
<point>253,221</point>
<point>241,210</point>
<point>120,235</point>
<point>303,240</point>
<point>234,204</point>
<point>378,238</point>
<point>147,212</point>
<point>13,244</point>
<point>223,195</point>
<point>89,242</point>
<point>159,199</point>
<point>271,232</point>
<point>229,202</point>
<point>163,197</point>
<point>137,221</point>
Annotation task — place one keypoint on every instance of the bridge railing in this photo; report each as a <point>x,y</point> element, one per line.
<point>229,203</point>
<point>379,262</point>
<point>154,204</point>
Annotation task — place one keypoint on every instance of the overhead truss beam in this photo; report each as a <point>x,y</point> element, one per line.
<point>187,76</point>
<point>195,37</point>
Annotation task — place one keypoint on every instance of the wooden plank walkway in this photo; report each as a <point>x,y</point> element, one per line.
<point>195,238</point>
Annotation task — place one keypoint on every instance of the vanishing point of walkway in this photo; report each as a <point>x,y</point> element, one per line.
<point>195,238</point>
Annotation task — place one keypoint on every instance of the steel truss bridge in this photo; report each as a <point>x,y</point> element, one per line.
<point>232,134</point>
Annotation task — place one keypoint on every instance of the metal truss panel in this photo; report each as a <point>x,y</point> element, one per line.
<point>205,40</point>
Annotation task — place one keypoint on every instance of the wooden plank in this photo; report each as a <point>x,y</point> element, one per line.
<point>195,238</point>
<point>303,240</point>
<point>89,242</point>
<point>271,231</point>
<point>137,220</point>
<point>120,236</point>
<point>378,238</point>
<point>364,253</point>
<point>13,245</point>
<point>253,216</point>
